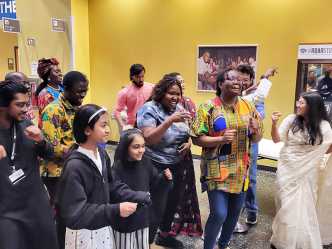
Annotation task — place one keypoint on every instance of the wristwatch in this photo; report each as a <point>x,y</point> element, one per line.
<point>264,77</point>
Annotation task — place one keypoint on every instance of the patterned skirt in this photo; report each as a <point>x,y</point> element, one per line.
<point>187,218</point>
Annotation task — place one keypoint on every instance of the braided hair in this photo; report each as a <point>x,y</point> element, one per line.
<point>160,89</point>
<point>45,66</point>
<point>8,89</point>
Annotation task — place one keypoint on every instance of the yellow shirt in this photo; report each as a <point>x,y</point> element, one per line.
<point>57,120</point>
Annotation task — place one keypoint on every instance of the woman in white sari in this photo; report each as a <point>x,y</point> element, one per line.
<point>308,138</point>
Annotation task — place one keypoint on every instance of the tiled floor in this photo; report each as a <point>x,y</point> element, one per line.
<point>258,235</point>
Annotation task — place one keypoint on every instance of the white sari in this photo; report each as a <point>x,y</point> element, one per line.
<point>296,223</point>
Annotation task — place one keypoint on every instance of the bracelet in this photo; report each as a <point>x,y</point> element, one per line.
<point>264,77</point>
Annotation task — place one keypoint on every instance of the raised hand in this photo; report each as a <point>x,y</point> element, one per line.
<point>275,117</point>
<point>228,136</point>
<point>253,125</point>
<point>271,71</point>
<point>34,133</point>
<point>127,208</point>
<point>179,116</point>
<point>168,174</point>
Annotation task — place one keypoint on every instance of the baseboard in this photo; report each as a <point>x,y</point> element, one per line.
<point>198,157</point>
<point>112,142</point>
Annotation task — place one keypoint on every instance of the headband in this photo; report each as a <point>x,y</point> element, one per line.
<point>96,113</point>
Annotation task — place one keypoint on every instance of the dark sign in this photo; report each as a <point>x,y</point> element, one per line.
<point>10,64</point>
<point>11,25</point>
<point>58,25</point>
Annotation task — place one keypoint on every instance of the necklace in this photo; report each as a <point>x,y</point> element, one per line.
<point>54,89</point>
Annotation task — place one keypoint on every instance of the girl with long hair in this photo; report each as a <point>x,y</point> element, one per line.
<point>308,137</point>
<point>137,171</point>
<point>90,195</point>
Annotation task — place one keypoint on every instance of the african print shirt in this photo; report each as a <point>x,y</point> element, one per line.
<point>45,97</point>
<point>152,114</point>
<point>57,120</point>
<point>225,167</point>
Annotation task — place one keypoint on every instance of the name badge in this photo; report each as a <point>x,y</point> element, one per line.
<point>17,176</point>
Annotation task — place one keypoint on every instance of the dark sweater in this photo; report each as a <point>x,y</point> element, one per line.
<point>88,200</point>
<point>140,176</point>
<point>24,207</point>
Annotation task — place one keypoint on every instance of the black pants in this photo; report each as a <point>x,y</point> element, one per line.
<point>167,206</point>
<point>50,183</point>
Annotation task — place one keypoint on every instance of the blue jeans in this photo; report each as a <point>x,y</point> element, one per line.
<point>251,198</point>
<point>225,209</point>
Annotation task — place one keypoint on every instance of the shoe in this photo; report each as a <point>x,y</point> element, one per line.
<point>239,228</point>
<point>251,218</point>
<point>169,241</point>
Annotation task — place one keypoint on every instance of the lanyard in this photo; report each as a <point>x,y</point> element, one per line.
<point>13,151</point>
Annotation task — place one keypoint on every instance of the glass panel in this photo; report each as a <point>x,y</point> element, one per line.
<point>313,74</point>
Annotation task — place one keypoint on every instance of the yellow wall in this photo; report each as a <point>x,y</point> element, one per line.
<point>80,11</point>
<point>163,36</point>
<point>7,43</point>
<point>35,16</point>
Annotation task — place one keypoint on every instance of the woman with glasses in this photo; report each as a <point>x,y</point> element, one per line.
<point>164,124</point>
<point>308,137</point>
<point>224,127</point>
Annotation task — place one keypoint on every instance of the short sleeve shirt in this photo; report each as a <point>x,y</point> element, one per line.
<point>152,114</point>
<point>225,167</point>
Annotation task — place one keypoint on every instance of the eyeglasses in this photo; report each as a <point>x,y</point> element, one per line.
<point>237,79</point>
<point>298,103</point>
<point>246,80</point>
<point>22,106</point>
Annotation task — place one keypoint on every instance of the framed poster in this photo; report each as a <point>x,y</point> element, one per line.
<point>213,59</point>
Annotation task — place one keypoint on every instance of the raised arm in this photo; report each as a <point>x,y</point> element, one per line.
<point>153,134</point>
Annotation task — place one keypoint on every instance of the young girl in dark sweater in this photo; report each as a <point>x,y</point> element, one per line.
<point>137,171</point>
<point>89,193</point>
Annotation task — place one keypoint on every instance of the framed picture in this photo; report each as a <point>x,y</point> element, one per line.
<point>213,59</point>
<point>34,83</point>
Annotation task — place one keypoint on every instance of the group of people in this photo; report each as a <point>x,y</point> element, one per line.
<point>208,68</point>
<point>151,184</point>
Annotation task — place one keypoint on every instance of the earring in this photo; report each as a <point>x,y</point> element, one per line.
<point>48,79</point>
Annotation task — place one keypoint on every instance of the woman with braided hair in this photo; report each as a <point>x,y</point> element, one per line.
<point>164,124</point>
<point>50,89</point>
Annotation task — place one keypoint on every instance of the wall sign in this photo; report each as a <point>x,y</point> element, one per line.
<point>58,25</point>
<point>34,66</point>
<point>10,64</point>
<point>315,51</point>
<point>31,42</point>
<point>11,25</point>
<point>7,9</point>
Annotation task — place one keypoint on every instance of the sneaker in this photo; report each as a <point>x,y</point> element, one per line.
<point>239,228</point>
<point>170,241</point>
<point>251,218</point>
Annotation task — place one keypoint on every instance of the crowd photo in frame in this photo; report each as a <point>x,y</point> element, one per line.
<point>213,59</point>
